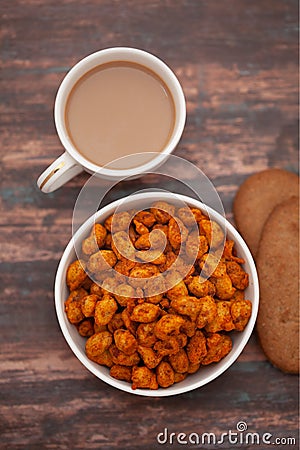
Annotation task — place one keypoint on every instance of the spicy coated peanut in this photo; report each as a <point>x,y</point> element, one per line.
<point>156,294</point>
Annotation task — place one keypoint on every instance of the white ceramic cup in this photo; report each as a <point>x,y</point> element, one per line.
<point>71,163</point>
<point>77,342</point>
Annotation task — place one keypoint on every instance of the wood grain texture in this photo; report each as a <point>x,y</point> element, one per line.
<point>238,64</point>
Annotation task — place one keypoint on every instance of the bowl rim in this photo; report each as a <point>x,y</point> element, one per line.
<point>222,366</point>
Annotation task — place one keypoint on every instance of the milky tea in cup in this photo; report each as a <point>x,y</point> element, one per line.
<point>117,109</point>
<point>119,102</point>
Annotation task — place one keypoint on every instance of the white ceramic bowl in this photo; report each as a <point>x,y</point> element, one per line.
<point>77,343</point>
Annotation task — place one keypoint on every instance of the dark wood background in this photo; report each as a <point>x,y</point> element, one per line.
<point>237,63</point>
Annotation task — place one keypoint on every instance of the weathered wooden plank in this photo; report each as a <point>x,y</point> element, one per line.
<point>238,64</point>
<point>70,398</point>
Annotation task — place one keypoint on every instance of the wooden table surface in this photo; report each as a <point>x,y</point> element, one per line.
<point>237,63</point>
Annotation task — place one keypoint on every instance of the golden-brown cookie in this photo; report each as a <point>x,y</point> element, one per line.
<point>257,197</point>
<point>278,270</point>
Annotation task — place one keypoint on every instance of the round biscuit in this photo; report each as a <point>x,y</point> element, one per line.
<point>278,271</point>
<point>257,197</point>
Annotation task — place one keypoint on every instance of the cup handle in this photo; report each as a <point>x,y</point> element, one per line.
<point>58,173</point>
